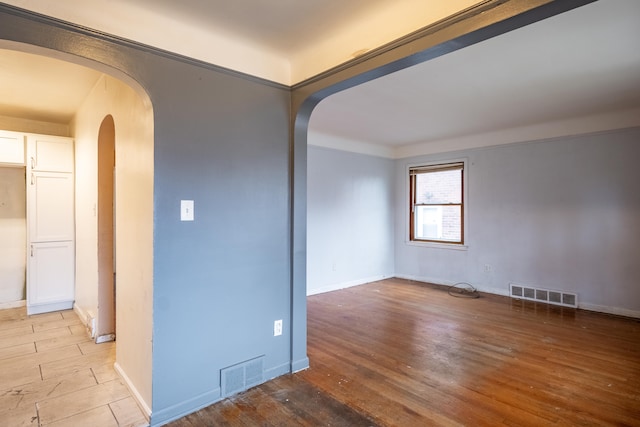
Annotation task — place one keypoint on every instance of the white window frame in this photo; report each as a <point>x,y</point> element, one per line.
<point>465,205</point>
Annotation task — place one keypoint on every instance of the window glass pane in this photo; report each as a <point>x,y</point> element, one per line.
<point>438,223</point>
<point>439,187</point>
<point>451,223</point>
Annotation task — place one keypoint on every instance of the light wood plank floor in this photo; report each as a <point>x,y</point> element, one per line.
<point>52,374</point>
<point>401,353</point>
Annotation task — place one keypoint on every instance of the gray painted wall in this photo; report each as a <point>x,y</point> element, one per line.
<point>561,214</point>
<point>222,140</point>
<point>350,214</point>
<point>222,280</point>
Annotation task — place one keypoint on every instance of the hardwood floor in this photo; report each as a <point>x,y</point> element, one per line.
<point>52,374</point>
<point>401,353</point>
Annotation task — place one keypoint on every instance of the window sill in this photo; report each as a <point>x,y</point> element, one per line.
<point>435,245</point>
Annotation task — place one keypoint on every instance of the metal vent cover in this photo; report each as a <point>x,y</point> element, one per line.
<point>569,299</point>
<point>237,378</point>
<point>555,297</point>
<point>529,293</point>
<point>549,296</point>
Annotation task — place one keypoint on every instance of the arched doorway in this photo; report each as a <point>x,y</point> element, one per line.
<point>118,95</point>
<point>106,326</point>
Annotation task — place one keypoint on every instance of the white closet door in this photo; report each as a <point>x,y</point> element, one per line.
<point>51,277</point>
<point>51,207</point>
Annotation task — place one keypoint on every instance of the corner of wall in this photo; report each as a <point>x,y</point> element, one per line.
<point>184,408</point>
<point>144,407</point>
<point>87,318</point>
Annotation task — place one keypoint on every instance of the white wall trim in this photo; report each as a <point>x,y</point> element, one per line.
<point>344,285</point>
<point>560,128</point>
<point>610,310</point>
<point>13,304</point>
<point>134,391</point>
<point>324,140</point>
<point>505,292</point>
<point>479,287</point>
<point>603,122</point>
<point>186,407</point>
<point>87,319</point>
<point>46,308</point>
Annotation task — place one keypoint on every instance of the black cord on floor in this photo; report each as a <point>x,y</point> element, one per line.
<point>463,290</point>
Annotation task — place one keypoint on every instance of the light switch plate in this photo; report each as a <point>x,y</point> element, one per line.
<point>186,210</point>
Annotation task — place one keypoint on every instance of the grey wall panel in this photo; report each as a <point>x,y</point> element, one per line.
<point>221,141</point>
<point>220,281</point>
<point>561,214</point>
<point>350,219</point>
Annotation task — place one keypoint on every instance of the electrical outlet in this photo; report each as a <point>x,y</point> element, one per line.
<point>488,268</point>
<point>277,328</point>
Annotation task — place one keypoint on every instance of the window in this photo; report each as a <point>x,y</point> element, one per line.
<point>436,203</point>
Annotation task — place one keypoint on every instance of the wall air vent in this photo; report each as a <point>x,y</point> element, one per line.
<point>548,296</point>
<point>242,376</point>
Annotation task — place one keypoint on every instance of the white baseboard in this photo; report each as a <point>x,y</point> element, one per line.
<point>186,407</point>
<point>300,365</point>
<point>13,304</point>
<point>87,318</point>
<point>46,308</point>
<point>609,310</point>
<point>505,292</point>
<point>480,288</point>
<point>134,392</point>
<point>81,313</point>
<point>344,285</point>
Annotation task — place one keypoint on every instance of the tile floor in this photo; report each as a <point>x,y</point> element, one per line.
<point>53,374</point>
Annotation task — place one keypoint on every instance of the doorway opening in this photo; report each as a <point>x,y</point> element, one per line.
<point>115,94</point>
<point>106,327</point>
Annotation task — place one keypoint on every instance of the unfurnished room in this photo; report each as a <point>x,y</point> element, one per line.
<point>346,213</point>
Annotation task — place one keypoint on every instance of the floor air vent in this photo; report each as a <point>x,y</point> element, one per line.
<point>544,295</point>
<point>242,376</point>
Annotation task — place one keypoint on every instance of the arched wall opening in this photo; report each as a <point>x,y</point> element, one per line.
<point>118,96</point>
<point>469,27</point>
<point>106,325</point>
<point>191,103</point>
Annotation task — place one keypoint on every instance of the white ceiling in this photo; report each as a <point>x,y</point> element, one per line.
<point>285,41</point>
<point>284,26</point>
<point>40,88</point>
<point>582,63</point>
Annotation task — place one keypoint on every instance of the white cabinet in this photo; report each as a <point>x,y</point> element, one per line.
<point>50,204</point>
<point>50,224</point>
<point>11,148</point>
<point>50,153</point>
<point>50,276</point>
